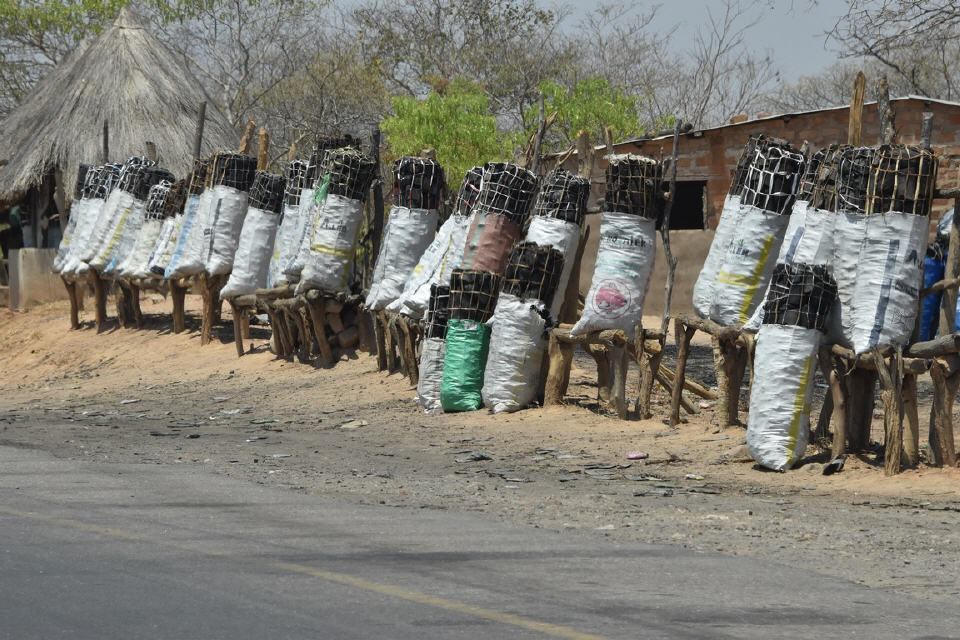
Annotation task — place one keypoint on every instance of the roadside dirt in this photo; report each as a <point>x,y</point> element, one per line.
<point>350,432</point>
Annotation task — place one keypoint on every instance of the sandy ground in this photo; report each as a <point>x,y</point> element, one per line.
<point>156,398</point>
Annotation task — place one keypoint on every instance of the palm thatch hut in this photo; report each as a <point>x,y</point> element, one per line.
<point>125,77</point>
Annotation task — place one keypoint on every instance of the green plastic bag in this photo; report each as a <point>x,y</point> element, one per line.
<point>466,357</point>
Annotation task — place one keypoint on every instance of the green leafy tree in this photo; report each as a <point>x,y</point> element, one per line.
<point>593,104</point>
<point>456,123</point>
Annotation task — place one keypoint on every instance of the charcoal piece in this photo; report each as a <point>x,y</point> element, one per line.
<point>81,180</point>
<point>233,170</point>
<point>156,200</point>
<point>823,190</point>
<point>296,181</point>
<point>351,173</point>
<point>508,190</point>
<point>800,295</point>
<point>634,186</point>
<point>318,159</point>
<point>150,176</point>
<point>903,179</point>
<point>473,294</point>
<point>175,198</point>
<point>563,195</point>
<point>197,180</point>
<point>438,311</point>
<point>469,190</point>
<point>266,193</point>
<point>809,179</point>
<point>533,272</point>
<point>418,182</point>
<point>768,174</point>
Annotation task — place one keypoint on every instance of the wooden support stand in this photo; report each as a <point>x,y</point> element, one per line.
<point>397,340</point>
<point>100,288</point>
<point>210,287</point>
<point>75,295</point>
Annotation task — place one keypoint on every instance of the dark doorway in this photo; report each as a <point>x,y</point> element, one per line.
<point>688,207</point>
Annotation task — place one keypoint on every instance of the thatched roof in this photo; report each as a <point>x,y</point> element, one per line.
<point>125,76</point>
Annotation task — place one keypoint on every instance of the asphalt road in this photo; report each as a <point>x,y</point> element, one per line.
<point>104,551</point>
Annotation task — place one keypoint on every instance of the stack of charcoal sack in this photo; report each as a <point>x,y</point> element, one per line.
<point>796,315</point>
<point>232,178</point>
<point>186,230</point>
<point>336,227</point>
<point>77,210</point>
<point>135,265</point>
<point>410,228</point>
<point>117,211</point>
<point>748,238</point>
<point>881,199</point>
<point>625,256</point>
<point>251,263</point>
<point>557,222</point>
<point>433,348</point>
<point>444,253</point>
<point>99,183</point>
<point>519,327</point>
<point>289,224</point>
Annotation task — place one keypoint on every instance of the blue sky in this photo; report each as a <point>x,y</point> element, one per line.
<point>792,30</point>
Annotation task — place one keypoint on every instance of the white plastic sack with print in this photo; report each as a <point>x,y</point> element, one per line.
<point>407,235</point>
<point>252,260</point>
<point>517,346</point>
<point>564,237</point>
<point>333,245</point>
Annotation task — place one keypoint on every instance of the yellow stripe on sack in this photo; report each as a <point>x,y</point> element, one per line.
<point>332,251</point>
<point>115,238</point>
<point>799,409</point>
<point>751,282</point>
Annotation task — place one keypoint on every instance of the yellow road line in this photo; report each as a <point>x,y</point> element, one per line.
<point>337,577</point>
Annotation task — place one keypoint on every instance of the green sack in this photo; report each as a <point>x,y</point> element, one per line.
<point>463,365</point>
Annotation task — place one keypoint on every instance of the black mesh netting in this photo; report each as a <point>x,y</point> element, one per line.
<point>800,295</point>
<point>469,190</point>
<point>130,173</point>
<point>81,180</point>
<point>508,190</point>
<point>323,145</point>
<point>351,173</point>
<point>234,170</point>
<point>473,294</point>
<point>902,179</point>
<point>296,180</point>
<point>563,195</point>
<point>418,182</point>
<point>175,198</point>
<point>101,180</point>
<point>809,178</point>
<point>198,177</point>
<point>156,206</point>
<point>768,174</point>
<point>149,177</point>
<point>634,186</point>
<point>438,311</point>
<point>266,193</point>
<point>533,272</point>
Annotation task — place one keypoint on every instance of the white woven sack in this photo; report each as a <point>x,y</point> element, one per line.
<point>332,245</point>
<point>281,244</point>
<point>252,260</point>
<point>77,210</point>
<point>435,266</point>
<point>81,237</point>
<point>621,275</point>
<point>747,266</point>
<point>778,425</point>
<point>407,235</point>
<point>431,374</point>
<point>128,239</point>
<point>113,240</point>
<point>564,237</point>
<point>104,222</point>
<point>703,289</point>
<point>889,273</point>
<point>517,347</point>
<point>166,241</point>
<point>187,258</point>
<point>135,264</point>
<point>299,247</point>
<point>222,234</point>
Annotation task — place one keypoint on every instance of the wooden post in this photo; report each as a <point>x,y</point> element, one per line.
<point>135,305</point>
<point>236,312</point>
<point>315,306</point>
<point>855,127</point>
<point>911,436</point>
<point>560,355</point>
<point>538,140</point>
<point>945,373</point>
<point>178,294</point>
<point>825,362</point>
<point>151,148</point>
<point>619,364</point>
<point>106,142</point>
<point>952,270</point>
<point>100,299</point>
<point>198,133</point>
<point>839,410</point>
<point>244,147</point>
<point>861,392</point>
<point>376,229</point>
<point>409,350</point>
<point>210,290</point>
<point>890,383</point>
<point>730,361</point>
<point>888,127</point>
<point>683,334</point>
<point>604,373</point>
<point>72,287</point>
<point>380,341</point>
<point>263,149</point>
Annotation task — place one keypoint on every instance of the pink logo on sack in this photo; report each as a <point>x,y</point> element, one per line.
<point>611,299</point>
